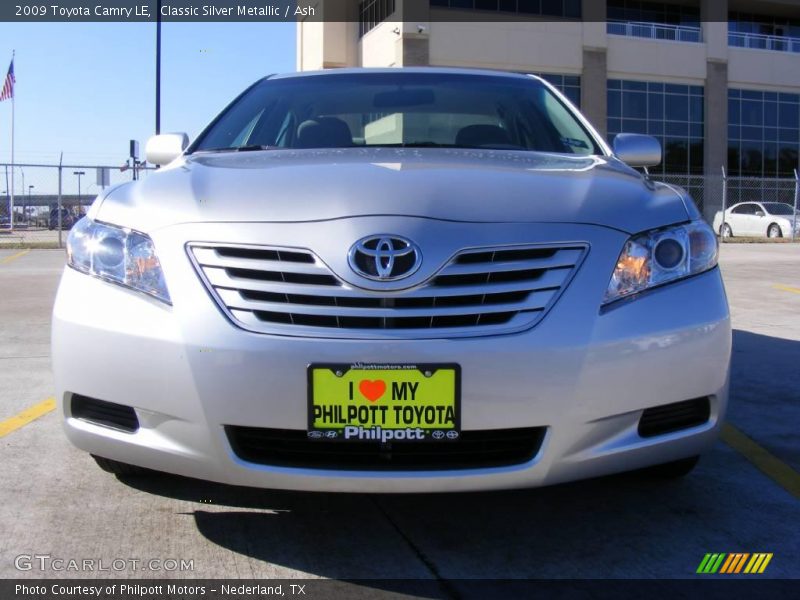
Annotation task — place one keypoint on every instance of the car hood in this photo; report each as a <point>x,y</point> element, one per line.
<point>449,184</point>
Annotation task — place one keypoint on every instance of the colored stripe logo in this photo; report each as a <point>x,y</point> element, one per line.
<point>734,563</point>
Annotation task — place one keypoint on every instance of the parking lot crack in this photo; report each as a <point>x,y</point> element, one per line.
<point>448,589</point>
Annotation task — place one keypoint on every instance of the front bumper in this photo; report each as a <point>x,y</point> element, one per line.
<point>584,375</point>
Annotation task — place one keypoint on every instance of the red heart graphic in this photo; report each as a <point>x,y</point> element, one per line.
<point>372,390</point>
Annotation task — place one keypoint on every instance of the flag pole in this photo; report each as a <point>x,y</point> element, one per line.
<point>11,207</point>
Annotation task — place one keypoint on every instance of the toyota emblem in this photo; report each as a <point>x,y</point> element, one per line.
<point>385,257</point>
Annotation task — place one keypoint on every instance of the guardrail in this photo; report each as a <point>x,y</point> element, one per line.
<point>655,31</point>
<point>760,41</point>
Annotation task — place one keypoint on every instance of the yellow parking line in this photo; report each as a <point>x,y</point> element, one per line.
<point>787,288</point>
<point>8,259</point>
<point>765,461</point>
<point>26,416</point>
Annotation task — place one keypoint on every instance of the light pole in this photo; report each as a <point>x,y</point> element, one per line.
<point>22,172</point>
<point>80,204</point>
<point>158,72</point>
<point>27,205</point>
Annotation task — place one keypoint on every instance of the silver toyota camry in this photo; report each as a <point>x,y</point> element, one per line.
<point>404,280</point>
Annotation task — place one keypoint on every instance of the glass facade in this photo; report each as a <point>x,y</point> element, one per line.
<point>545,8</point>
<point>763,133</point>
<point>672,113</point>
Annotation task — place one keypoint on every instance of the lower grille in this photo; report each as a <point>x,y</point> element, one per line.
<point>473,450</point>
<point>674,417</point>
<point>104,413</point>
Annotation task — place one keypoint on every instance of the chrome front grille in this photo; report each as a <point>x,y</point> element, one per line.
<point>478,292</point>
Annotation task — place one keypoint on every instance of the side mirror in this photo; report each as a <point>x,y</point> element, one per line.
<point>163,149</point>
<point>760,213</point>
<point>637,150</point>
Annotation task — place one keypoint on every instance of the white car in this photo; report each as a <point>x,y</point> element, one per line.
<point>757,219</point>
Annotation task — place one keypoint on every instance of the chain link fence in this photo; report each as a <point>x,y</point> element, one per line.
<point>754,189</point>
<point>706,190</point>
<point>46,196</point>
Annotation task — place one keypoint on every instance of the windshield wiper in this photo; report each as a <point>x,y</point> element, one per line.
<point>410,145</point>
<point>426,145</point>
<point>246,148</point>
<point>437,145</point>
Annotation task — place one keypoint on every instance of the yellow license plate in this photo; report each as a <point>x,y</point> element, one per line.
<point>385,403</point>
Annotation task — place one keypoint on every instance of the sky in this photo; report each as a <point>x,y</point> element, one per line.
<point>86,89</point>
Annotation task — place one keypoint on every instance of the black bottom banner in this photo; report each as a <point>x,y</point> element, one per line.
<point>313,589</point>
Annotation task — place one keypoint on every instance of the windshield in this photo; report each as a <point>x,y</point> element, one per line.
<point>778,208</point>
<point>399,110</point>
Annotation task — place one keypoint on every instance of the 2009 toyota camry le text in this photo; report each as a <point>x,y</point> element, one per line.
<point>399,280</point>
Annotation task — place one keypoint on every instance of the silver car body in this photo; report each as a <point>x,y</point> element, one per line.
<point>581,372</point>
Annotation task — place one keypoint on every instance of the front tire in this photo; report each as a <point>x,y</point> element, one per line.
<point>774,231</point>
<point>725,231</point>
<point>118,468</point>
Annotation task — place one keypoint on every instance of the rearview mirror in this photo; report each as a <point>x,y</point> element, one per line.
<point>163,149</point>
<point>637,150</point>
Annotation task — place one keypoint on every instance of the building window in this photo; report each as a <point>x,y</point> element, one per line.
<point>546,8</point>
<point>373,12</point>
<point>763,32</point>
<point>654,12</point>
<point>654,20</point>
<point>763,133</point>
<point>672,113</point>
<point>569,85</point>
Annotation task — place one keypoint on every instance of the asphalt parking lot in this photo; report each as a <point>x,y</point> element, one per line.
<point>743,497</point>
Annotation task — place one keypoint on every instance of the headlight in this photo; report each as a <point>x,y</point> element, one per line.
<point>661,256</point>
<point>118,255</point>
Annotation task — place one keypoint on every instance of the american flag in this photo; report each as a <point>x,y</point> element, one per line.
<point>8,85</point>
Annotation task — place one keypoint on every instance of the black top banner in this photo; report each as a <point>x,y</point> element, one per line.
<point>166,10</point>
<point>363,11</point>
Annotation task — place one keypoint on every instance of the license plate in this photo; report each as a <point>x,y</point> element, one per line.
<point>385,403</point>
